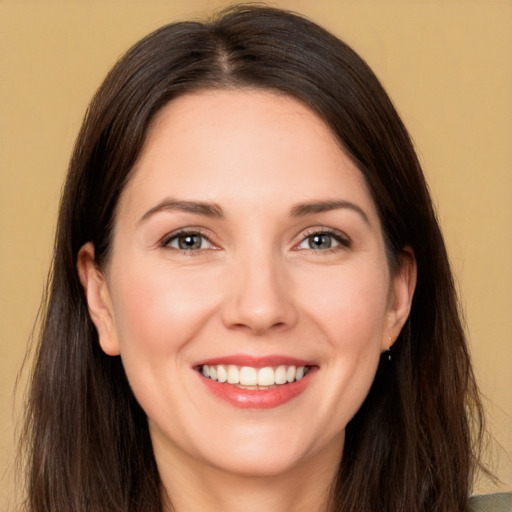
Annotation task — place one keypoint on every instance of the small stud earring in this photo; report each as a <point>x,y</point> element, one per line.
<point>388,350</point>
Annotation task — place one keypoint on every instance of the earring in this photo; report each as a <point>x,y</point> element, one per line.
<point>388,350</point>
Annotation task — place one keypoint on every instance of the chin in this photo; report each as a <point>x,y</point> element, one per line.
<point>270,454</point>
<point>259,465</point>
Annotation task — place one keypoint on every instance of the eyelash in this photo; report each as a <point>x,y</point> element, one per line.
<point>185,232</point>
<point>341,239</point>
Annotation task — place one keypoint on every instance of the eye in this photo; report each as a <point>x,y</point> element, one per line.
<point>189,241</point>
<point>322,241</point>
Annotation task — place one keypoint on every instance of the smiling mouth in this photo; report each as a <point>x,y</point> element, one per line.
<point>248,377</point>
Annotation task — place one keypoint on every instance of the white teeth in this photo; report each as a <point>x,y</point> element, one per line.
<point>233,374</point>
<point>266,376</point>
<point>280,374</point>
<point>222,374</point>
<point>249,376</point>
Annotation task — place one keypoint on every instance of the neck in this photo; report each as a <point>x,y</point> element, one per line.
<point>194,486</point>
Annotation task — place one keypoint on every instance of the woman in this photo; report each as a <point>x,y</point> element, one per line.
<point>250,306</point>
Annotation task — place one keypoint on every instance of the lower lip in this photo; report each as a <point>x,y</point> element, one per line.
<point>258,398</point>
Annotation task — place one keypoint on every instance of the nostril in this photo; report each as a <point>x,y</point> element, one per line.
<point>258,328</point>
<point>258,304</point>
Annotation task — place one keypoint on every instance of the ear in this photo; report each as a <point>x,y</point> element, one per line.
<point>98,299</point>
<point>402,289</point>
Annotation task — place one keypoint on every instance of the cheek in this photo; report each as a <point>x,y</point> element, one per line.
<point>352,315</point>
<point>157,309</point>
<point>350,306</point>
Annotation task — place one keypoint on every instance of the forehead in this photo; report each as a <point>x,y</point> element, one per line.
<point>242,146</point>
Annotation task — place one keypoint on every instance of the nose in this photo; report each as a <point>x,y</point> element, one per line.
<point>259,297</point>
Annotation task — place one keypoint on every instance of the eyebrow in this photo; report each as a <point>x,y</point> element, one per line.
<point>214,210</point>
<point>303,209</point>
<point>197,207</point>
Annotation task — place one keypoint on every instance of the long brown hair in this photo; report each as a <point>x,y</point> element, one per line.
<point>409,448</point>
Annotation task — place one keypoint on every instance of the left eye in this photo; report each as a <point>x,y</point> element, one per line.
<point>189,242</point>
<point>320,241</point>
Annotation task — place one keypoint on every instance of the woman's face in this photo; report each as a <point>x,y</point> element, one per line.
<point>246,247</point>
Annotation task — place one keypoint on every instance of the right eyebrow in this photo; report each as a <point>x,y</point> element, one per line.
<point>197,207</point>
<point>303,209</point>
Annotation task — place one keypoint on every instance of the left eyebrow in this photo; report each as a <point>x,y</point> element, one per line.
<point>196,207</point>
<point>303,209</point>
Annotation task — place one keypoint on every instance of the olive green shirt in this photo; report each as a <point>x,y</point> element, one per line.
<point>499,502</point>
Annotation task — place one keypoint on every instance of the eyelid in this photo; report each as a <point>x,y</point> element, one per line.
<point>165,240</point>
<point>342,238</point>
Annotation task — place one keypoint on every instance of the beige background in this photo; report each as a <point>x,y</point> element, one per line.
<point>446,64</point>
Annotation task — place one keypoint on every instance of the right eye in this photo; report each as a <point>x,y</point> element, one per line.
<point>319,241</point>
<point>188,241</point>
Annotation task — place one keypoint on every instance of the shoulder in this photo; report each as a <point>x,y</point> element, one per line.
<point>498,502</point>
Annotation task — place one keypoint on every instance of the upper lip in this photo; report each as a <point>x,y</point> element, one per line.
<point>255,361</point>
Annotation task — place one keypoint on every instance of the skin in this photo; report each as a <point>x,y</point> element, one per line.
<point>255,286</point>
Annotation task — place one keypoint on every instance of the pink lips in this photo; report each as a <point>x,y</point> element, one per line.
<point>255,361</point>
<point>257,398</point>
